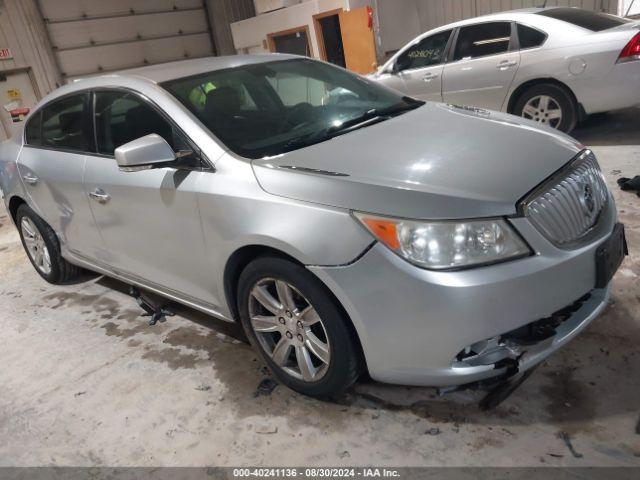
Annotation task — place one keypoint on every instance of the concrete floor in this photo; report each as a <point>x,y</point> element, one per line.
<point>84,381</point>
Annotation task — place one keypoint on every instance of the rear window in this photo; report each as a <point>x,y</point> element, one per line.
<point>594,21</point>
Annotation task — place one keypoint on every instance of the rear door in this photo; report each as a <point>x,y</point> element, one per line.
<point>484,63</point>
<point>150,219</point>
<point>420,66</point>
<point>58,138</point>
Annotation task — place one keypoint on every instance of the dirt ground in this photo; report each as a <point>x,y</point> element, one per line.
<point>85,381</point>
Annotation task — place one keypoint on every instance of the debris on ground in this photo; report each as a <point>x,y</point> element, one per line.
<point>564,436</point>
<point>503,390</point>
<point>203,388</point>
<point>630,184</point>
<point>265,387</point>
<point>433,431</point>
<point>266,429</point>
<point>77,394</point>
<point>344,454</point>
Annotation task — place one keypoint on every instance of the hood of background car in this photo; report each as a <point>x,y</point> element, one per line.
<point>435,162</point>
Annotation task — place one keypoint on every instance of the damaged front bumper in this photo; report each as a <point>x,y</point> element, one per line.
<point>443,329</point>
<point>519,350</point>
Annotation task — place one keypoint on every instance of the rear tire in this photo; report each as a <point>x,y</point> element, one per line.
<point>42,247</point>
<point>544,102</point>
<point>301,334</point>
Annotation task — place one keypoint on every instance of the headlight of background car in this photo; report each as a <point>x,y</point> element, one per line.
<point>445,245</point>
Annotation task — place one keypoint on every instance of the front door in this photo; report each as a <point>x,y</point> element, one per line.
<point>18,98</point>
<point>150,219</point>
<point>483,66</point>
<point>420,66</point>
<point>51,165</point>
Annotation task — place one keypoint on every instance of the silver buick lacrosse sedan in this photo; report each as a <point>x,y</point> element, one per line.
<point>347,227</point>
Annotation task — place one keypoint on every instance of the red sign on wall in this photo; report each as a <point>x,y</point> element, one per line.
<point>5,54</point>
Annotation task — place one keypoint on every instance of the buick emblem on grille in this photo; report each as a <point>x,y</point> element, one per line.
<point>587,198</point>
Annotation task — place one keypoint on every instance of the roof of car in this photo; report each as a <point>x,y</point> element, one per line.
<point>501,15</point>
<point>184,68</point>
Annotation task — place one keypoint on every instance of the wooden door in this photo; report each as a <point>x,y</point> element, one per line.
<point>358,40</point>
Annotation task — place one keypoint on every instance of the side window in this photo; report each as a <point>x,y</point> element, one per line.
<point>482,40</point>
<point>530,37</point>
<point>428,51</point>
<point>64,124</point>
<point>122,117</point>
<point>33,130</point>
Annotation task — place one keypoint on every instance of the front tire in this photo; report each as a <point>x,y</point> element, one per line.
<point>41,244</point>
<point>548,104</point>
<point>294,322</point>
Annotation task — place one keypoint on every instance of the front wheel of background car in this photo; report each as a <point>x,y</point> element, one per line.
<point>294,322</point>
<point>548,104</point>
<point>42,247</point>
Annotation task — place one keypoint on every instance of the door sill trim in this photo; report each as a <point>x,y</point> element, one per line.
<point>90,264</point>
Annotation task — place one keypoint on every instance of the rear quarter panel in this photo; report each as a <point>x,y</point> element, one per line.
<point>586,64</point>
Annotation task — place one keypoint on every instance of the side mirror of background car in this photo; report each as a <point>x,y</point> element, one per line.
<point>144,153</point>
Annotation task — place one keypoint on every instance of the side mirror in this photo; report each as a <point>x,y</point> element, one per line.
<point>144,153</point>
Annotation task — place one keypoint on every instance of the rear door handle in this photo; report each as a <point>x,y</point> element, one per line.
<point>30,179</point>
<point>100,196</point>
<point>506,64</point>
<point>429,76</point>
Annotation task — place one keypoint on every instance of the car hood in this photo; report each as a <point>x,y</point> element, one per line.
<point>436,162</point>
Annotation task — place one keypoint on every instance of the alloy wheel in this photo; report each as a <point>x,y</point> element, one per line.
<point>289,329</point>
<point>36,248</point>
<point>543,109</point>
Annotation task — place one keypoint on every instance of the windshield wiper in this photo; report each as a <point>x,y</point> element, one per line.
<point>373,116</point>
<point>365,119</point>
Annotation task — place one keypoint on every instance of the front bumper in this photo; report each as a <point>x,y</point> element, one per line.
<point>412,323</point>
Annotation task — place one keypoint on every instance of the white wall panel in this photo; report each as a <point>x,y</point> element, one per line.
<point>131,28</point>
<point>92,36</point>
<point>61,10</point>
<point>108,58</point>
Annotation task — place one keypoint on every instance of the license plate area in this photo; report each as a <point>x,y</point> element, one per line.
<point>610,255</point>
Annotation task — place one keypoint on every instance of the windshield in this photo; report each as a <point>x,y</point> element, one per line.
<point>270,108</point>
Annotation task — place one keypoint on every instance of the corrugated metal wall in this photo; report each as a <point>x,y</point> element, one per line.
<point>21,32</point>
<point>402,20</point>
<point>90,36</point>
<point>222,14</point>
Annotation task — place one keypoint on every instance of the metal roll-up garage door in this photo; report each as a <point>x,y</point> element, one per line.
<point>93,36</point>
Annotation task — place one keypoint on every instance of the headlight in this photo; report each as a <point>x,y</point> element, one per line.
<point>445,245</point>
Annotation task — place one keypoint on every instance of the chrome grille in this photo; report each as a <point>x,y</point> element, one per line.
<point>567,206</point>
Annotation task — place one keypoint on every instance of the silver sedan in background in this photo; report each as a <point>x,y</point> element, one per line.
<point>551,65</point>
<point>347,227</point>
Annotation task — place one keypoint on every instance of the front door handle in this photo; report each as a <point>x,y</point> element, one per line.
<point>100,196</point>
<point>429,76</point>
<point>30,179</point>
<point>506,64</point>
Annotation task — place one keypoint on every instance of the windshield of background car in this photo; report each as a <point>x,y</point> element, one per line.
<point>594,21</point>
<point>270,108</point>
